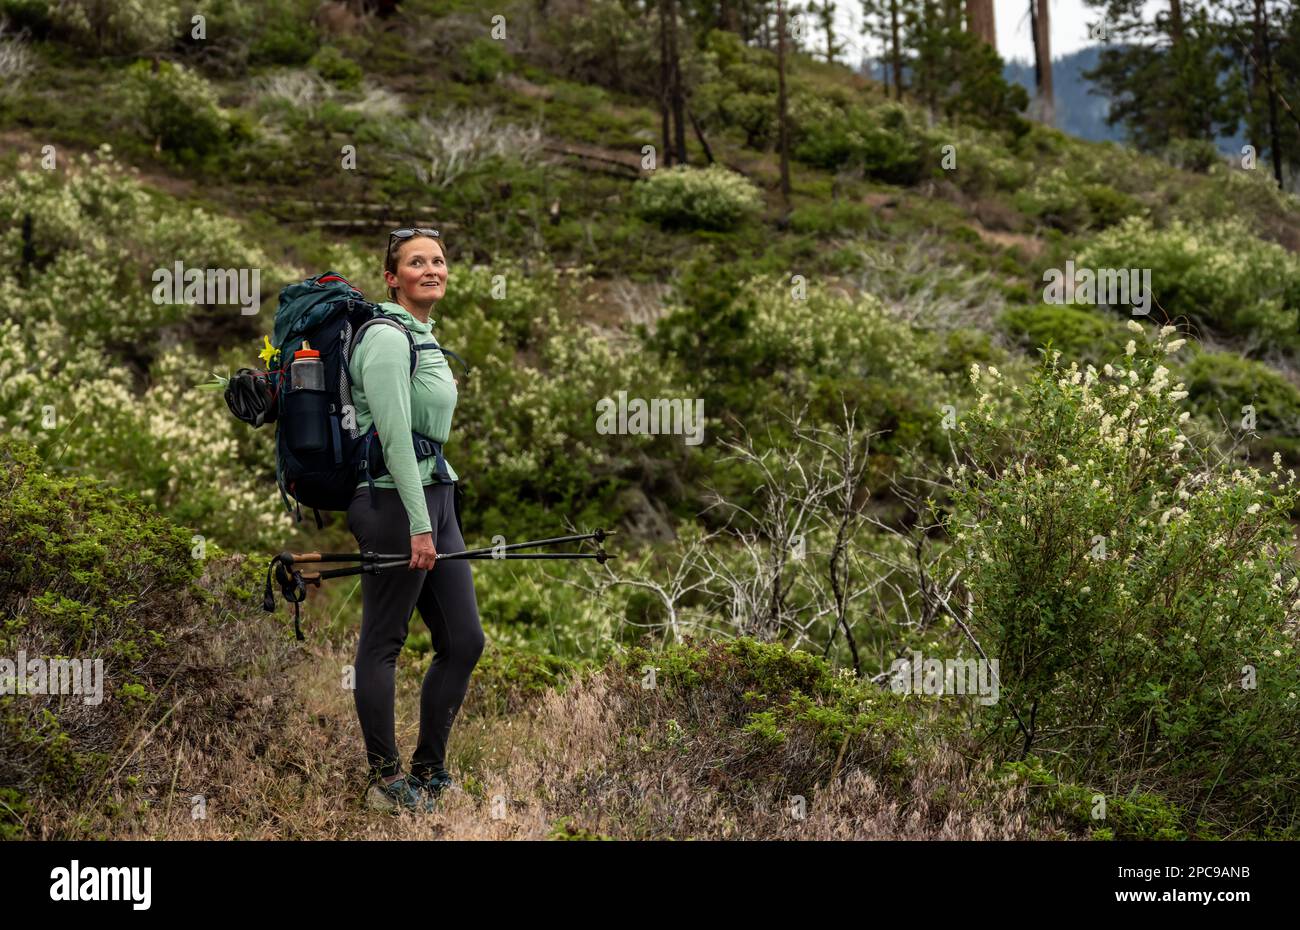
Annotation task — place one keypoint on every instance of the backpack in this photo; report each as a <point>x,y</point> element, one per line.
<point>320,453</point>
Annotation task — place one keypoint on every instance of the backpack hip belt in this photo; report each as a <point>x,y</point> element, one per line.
<point>371,465</point>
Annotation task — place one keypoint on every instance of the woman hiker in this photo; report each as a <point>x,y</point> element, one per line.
<point>413,506</point>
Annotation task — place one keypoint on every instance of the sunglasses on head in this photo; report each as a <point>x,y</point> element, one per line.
<point>407,232</point>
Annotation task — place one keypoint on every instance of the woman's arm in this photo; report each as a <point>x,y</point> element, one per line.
<point>385,375</point>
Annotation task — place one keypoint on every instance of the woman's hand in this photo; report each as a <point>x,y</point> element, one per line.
<point>422,551</point>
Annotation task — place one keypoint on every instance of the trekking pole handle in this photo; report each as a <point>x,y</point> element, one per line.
<point>291,558</point>
<point>373,568</point>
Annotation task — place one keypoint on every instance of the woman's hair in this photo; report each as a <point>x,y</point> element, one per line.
<point>391,257</point>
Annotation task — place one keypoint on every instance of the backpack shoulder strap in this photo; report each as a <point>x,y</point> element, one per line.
<point>388,321</point>
<point>444,351</point>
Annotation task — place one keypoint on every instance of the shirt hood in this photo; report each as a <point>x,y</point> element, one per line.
<point>411,323</point>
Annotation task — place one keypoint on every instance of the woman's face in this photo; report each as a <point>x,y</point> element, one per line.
<point>421,270</point>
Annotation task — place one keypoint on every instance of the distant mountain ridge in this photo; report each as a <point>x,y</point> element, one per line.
<point>1079,111</point>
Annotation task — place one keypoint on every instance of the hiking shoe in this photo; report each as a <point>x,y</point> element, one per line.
<point>434,785</point>
<point>402,794</point>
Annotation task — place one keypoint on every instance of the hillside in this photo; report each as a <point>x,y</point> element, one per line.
<point>891,466</point>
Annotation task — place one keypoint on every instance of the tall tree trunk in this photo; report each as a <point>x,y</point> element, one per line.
<point>679,117</point>
<point>1033,32</point>
<point>979,20</point>
<point>1274,147</point>
<point>932,13</point>
<point>783,132</point>
<point>830,35</point>
<point>664,80</point>
<point>727,16</point>
<point>1252,76</point>
<point>1176,21</point>
<point>1041,17</point>
<point>895,52</point>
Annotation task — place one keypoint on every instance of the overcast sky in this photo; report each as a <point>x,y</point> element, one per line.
<point>1070,22</point>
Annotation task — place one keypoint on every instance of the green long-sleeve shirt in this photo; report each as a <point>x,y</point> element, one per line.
<point>385,395</point>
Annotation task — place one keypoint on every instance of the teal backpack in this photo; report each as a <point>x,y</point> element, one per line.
<point>320,453</point>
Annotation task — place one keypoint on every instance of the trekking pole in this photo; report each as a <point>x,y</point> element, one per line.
<point>293,583</point>
<point>293,558</point>
<point>374,568</point>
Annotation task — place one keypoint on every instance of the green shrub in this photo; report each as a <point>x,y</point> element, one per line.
<point>284,37</point>
<point>792,713</point>
<point>527,433</point>
<point>335,67</point>
<point>879,141</point>
<point>1218,275</point>
<point>1142,605</point>
<point>1064,202</point>
<point>828,219</point>
<point>983,168</point>
<point>769,342</point>
<point>484,60</point>
<point>1081,335</point>
<point>88,573</point>
<point>1222,384</point>
<point>738,88</point>
<point>177,110</point>
<point>32,16</point>
<point>507,678</point>
<point>702,198</point>
<point>1192,154</point>
<point>1141,816</point>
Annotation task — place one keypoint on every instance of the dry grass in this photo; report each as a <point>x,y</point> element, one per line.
<point>570,764</point>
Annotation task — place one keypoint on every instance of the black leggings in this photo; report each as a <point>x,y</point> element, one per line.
<point>445,597</point>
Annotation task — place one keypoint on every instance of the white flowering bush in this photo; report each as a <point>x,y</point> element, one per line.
<point>97,239</point>
<point>1142,601</point>
<point>1218,274</point>
<point>122,26</point>
<point>771,342</point>
<point>15,61</point>
<point>705,198</point>
<point>78,320</point>
<point>524,435</point>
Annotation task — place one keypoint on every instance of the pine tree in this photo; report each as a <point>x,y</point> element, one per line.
<point>1167,78</point>
<point>886,21</point>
